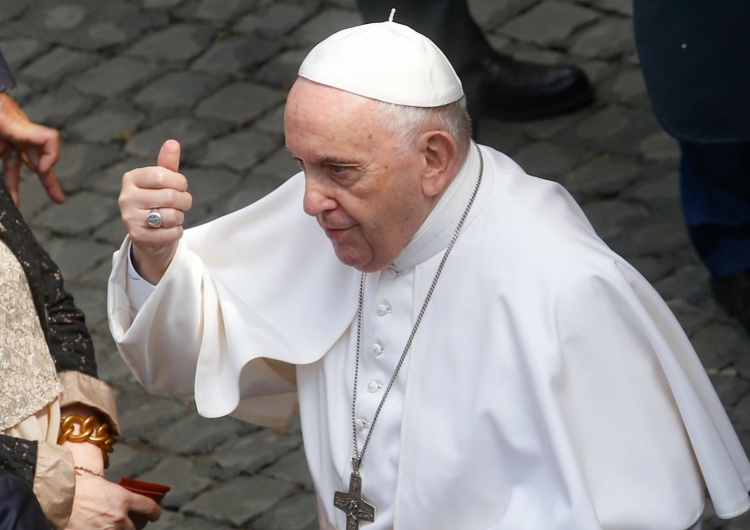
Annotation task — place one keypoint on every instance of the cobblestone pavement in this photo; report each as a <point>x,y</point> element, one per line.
<point>119,77</point>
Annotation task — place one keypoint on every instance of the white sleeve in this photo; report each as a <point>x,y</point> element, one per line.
<point>137,288</point>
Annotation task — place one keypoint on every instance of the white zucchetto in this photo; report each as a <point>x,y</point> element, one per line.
<point>385,61</point>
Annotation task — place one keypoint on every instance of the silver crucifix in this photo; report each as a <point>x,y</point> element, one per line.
<point>352,503</point>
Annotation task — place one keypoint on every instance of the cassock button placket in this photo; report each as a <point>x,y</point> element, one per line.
<point>373,386</point>
<point>377,349</point>
<point>361,424</point>
<point>391,274</point>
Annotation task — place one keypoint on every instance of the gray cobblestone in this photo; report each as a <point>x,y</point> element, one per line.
<point>239,500</point>
<point>549,23</point>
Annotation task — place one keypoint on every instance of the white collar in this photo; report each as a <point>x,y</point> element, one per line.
<point>438,229</point>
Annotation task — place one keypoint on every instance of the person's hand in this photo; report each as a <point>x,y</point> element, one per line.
<point>159,188</point>
<point>99,504</point>
<point>23,142</point>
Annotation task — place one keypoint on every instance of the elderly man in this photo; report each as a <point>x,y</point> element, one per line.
<point>469,356</point>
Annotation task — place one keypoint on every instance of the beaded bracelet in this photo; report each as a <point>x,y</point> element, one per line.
<point>91,430</point>
<point>89,471</point>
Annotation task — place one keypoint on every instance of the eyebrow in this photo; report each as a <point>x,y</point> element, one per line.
<point>331,160</point>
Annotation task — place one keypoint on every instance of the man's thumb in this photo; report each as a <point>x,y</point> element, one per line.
<point>169,155</point>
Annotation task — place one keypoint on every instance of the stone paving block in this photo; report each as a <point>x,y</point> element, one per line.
<point>18,52</point>
<point>659,146</point>
<point>241,150</point>
<point>181,475</point>
<point>276,20</point>
<point>489,14</point>
<point>717,344</point>
<point>239,500</point>
<point>67,220</point>
<point>177,43</point>
<point>324,25</point>
<point>130,460</point>
<point>239,102</point>
<point>194,434</point>
<point>106,125</point>
<point>651,239</point>
<point>161,4</point>
<point>729,388</point>
<point>177,89</point>
<point>281,72</point>
<point>115,76</point>
<point>254,187</point>
<point>10,9</point>
<point>298,513</point>
<point>191,133</point>
<point>652,268</point>
<point>686,283</point>
<point>112,369</point>
<point>222,10</point>
<point>58,63</point>
<point>614,217</point>
<point>623,7</point>
<point>254,451</point>
<point>292,468</point>
<point>236,54</point>
<point>690,317</point>
<point>142,412</point>
<point>630,88</point>
<point>549,23</point>
<point>610,38</point>
<point>603,176</point>
<point>272,122</point>
<point>207,185</point>
<point>59,106</point>
<point>74,256</point>
<point>191,522</point>
<point>545,159</point>
<point>80,162</point>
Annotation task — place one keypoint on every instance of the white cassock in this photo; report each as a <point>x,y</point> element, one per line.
<point>548,388</point>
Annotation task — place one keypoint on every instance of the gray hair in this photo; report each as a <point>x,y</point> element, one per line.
<point>410,122</point>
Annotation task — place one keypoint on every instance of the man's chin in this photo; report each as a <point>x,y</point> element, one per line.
<point>354,260</point>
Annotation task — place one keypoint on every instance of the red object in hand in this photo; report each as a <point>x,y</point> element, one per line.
<point>151,490</point>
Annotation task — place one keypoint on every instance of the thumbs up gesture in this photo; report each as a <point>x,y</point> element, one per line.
<point>153,201</point>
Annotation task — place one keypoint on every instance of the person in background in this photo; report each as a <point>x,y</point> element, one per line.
<point>695,62</point>
<point>58,421</point>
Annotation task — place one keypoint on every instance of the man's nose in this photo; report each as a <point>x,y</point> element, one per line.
<point>318,198</point>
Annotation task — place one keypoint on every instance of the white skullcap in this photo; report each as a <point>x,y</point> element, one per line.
<point>385,61</point>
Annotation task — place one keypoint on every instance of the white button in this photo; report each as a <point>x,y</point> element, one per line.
<point>383,309</point>
<point>361,424</point>
<point>373,386</point>
<point>377,349</point>
<point>391,274</point>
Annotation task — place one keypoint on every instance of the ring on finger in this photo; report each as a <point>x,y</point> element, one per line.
<point>154,218</point>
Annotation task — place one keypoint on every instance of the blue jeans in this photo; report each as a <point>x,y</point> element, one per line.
<point>19,507</point>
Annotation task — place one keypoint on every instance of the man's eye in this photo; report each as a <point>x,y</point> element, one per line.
<point>338,170</point>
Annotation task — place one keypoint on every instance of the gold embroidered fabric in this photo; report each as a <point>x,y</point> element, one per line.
<point>28,379</point>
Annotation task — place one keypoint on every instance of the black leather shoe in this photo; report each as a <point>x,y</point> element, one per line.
<point>733,294</point>
<point>504,88</point>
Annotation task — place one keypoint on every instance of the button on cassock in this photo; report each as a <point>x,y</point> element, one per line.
<point>377,349</point>
<point>383,309</point>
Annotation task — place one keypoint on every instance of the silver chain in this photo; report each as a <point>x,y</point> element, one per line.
<point>357,455</point>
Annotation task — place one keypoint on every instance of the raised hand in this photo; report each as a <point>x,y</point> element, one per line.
<point>158,190</point>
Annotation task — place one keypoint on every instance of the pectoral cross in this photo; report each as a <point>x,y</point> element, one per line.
<point>352,503</point>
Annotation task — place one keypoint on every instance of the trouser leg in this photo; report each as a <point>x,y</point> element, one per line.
<point>715,182</point>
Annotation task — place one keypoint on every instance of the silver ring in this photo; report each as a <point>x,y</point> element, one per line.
<point>154,218</point>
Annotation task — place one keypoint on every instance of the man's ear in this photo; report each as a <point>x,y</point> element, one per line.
<point>440,155</point>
